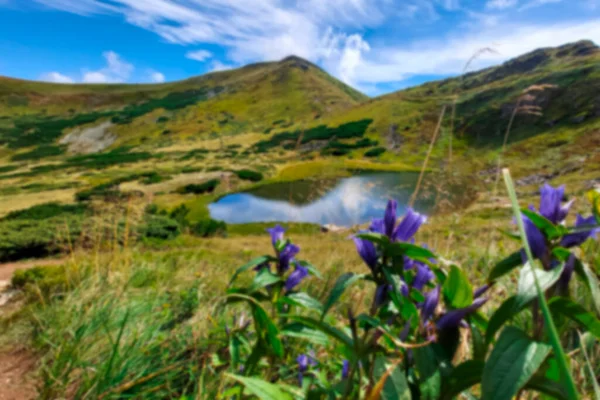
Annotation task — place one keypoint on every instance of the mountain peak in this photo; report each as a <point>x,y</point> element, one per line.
<point>295,61</point>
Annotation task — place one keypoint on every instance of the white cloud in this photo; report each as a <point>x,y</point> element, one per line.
<point>217,66</point>
<point>116,70</point>
<point>334,33</point>
<point>56,77</point>
<point>157,77</point>
<point>199,55</point>
<point>501,4</point>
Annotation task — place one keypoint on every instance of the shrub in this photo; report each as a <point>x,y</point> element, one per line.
<point>162,119</point>
<point>39,152</point>
<point>159,227</point>
<point>29,238</point>
<point>206,187</point>
<point>209,228</point>
<point>249,175</point>
<point>48,280</point>
<point>8,168</point>
<point>377,151</point>
<point>46,210</point>
<point>180,214</point>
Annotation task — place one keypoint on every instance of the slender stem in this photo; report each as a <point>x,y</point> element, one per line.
<point>552,331</point>
<point>413,198</point>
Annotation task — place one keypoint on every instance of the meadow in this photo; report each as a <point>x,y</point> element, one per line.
<point>139,293</point>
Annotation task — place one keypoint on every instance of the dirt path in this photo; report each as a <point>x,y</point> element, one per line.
<point>16,382</point>
<point>7,269</point>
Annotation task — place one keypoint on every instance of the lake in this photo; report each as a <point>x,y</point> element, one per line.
<point>343,202</point>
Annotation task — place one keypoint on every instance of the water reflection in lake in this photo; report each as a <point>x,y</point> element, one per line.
<point>344,202</point>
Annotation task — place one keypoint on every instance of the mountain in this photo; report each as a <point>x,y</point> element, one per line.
<point>284,118</point>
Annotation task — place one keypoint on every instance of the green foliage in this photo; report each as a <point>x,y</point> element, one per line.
<point>46,210</point>
<point>321,132</point>
<point>27,238</point>
<point>249,175</point>
<point>376,152</point>
<point>180,214</point>
<point>159,227</point>
<point>209,228</point>
<point>8,168</point>
<point>39,152</point>
<point>206,187</point>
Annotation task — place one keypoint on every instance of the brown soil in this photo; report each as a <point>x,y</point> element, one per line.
<point>16,382</point>
<point>7,269</point>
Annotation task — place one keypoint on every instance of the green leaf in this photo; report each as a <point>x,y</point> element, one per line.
<point>430,376</point>
<point>234,350</point>
<point>543,224</point>
<point>301,331</point>
<point>505,266</point>
<point>312,270</point>
<point>513,361</point>
<point>395,386</point>
<point>327,329</point>
<point>376,238</point>
<point>266,324</point>
<point>340,286</point>
<point>409,250</point>
<point>302,299</point>
<point>252,264</point>
<point>575,312</point>
<point>262,389</point>
<point>541,384</point>
<point>263,278</point>
<point>479,344</point>
<point>457,290</point>
<point>526,293</point>
<point>462,377</point>
<point>588,277</point>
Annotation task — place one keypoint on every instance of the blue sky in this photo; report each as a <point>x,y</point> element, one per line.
<point>376,46</point>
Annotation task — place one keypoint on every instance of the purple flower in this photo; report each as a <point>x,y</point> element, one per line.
<point>366,250</point>
<point>432,299</point>
<point>550,203</point>
<point>452,319</point>
<point>566,275</point>
<point>408,227</point>
<point>423,276</point>
<point>286,256</point>
<point>575,239</point>
<point>345,369</point>
<point>276,234</point>
<point>302,361</point>
<point>389,218</point>
<point>535,238</point>
<point>405,230</point>
<point>381,294</point>
<point>481,291</point>
<point>377,226</point>
<point>296,277</point>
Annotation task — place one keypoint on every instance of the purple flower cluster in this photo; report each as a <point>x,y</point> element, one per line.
<point>286,252</point>
<point>422,275</point>
<point>553,210</point>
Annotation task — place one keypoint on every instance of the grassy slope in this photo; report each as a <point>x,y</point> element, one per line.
<point>228,112</point>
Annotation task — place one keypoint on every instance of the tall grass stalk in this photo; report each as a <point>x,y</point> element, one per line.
<point>413,198</point>
<point>549,323</point>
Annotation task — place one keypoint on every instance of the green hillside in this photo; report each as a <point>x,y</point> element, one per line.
<point>290,119</point>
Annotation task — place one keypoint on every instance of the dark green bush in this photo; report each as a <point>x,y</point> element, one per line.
<point>159,227</point>
<point>162,119</point>
<point>40,152</point>
<point>209,228</point>
<point>48,281</point>
<point>375,152</point>
<point>180,214</point>
<point>46,210</point>
<point>206,187</point>
<point>28,238</point>
<point>249,175</point>
<point>8,168</point>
